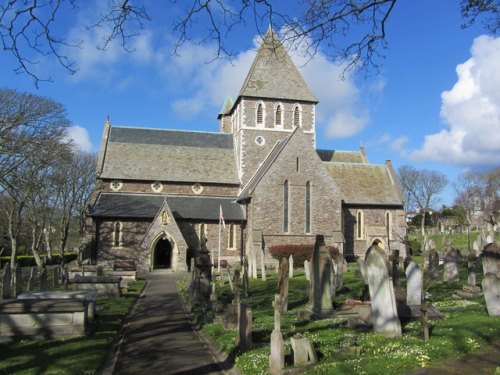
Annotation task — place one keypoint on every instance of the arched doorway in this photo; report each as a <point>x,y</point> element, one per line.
<point>162,257</point>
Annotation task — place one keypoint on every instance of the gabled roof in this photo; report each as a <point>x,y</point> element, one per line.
<point>340,156</point>
<point>168,155</point>
<point>226,107</point>
<point>366,184</point>
<point>266,164</point>
<point>146,206</point>
<point>274,75</point>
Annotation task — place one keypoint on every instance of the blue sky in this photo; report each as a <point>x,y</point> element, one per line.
<point>434,104</point>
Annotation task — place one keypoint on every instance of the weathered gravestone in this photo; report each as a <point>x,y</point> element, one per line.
<point>290,266</point>
<point>339,271</point>
<point>283,284</point>
<point>384,311</point>
<point>277,357</point>
<point>414,283</point>
<point>244,335</point>
<point>17,280</point>
<point>491,259</point>
<point>263,265</point>
<point>433,270</point>
<point>320,295</point>
<point>491,290</point>
<point>471,290</point>
<point>307,270</point>
<point>6,277</point>
<point>55,275</point>
<point>450,263</point>
<point>303,351</point>
<point>333,280</point>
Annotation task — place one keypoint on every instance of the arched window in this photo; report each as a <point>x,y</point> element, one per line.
<point>297,116</point>
<point>308,207</point>
<point>278,115</point>
<point>285,207</point>
<point>260,114</point>
<point>232,237</point>
<point>388,224</point>
<point>117,233</point>
<point>360,225</point>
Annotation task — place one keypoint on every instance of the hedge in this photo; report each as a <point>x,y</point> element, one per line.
<point>29,260</point>
<point>300,252</point>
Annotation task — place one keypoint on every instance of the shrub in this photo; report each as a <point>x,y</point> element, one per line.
<point>415,247</point>
<point>300,252</point>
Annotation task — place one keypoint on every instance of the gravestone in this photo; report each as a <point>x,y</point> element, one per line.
<point>6,277</point>
<point>65,277</point>
<point>320,300</point>
<point>55,275</point>
<point>277,357</point>
<point>290,266</point>
<point>244,336</point>
<point>244,289</point>
<point>471,290</point>
<point>307,270</point>
<point>384,311</point>
<point>283,283</point>
<point>433,271</point>
<point>491,290</point>
<point>414,284</point>
<point>450,262</point>
<point>491,259</point>
<point>394,258</point>
<point>32,279</point>
<point>333,280</point>
<point>303,351</point>
<point>253,257</point>
<point>17,280</point>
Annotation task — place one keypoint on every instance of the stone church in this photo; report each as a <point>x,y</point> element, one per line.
<point>159,192</point>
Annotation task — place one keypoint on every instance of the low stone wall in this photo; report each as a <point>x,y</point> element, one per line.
<point>127,276</point>
<point>104,285</point>
<point>47,318</point>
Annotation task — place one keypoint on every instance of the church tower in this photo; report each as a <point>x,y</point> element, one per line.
<point>272,102</point>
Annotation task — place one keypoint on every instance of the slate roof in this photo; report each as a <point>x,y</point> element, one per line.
<point>274,75</point>
<point>146,206</point>
<point>169,155</point>
<point>340,156</point>
<point>366,184</point>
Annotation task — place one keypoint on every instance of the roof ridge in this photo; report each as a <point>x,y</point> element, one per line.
<point>172,130</point>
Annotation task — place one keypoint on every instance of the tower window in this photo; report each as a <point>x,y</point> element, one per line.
<point>232,237</point>
<point>297,116</point>
<point>278,116</point>
<point>260,114</point>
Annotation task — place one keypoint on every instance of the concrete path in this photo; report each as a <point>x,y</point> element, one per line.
<point>157,338</point>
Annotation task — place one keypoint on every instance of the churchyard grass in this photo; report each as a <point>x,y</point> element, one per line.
<point>81,355</point>
<point>466,327</point>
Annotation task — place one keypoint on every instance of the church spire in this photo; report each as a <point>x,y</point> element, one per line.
<point>274,75</point>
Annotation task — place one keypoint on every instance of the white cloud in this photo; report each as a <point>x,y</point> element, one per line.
<point>471,109</point>
<point>80,137</point>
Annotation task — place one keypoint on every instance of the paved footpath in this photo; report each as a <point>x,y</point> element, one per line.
<point>157,337</point>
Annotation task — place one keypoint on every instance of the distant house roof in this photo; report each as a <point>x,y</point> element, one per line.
<point>366,184</point>
<point>274,75</point>
<point>146,206</point>
<point>340,156</point>
<point>168,155</point>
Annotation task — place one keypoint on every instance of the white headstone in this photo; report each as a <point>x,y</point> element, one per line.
<point>307,270</point>
<point>384,311</point>
<point>414,282</point>
<point>491,290</point>
<point>290,264</point>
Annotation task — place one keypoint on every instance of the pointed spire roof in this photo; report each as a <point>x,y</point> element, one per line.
<point>274,75</point>
<point>226,107</point>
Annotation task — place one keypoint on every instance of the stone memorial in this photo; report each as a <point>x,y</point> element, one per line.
<point>339,271</point>
<point>244,335</point>
<point>6,277</point>
<point>450,263</point>
<point>303,351</point>
<point>277,356</point>
<point>307,270</point>
<point>491,290</point>
<point>414,284</point>
<point>263,265</point>
<point>283,284</point>
<point>433,270</point>
<point>490,257</point>
<point>384,310</point>
<point>290,265</point>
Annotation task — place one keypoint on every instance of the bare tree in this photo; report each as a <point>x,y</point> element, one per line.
<point>469,190</point>
<point>29,27</point>
<point>421,186</point>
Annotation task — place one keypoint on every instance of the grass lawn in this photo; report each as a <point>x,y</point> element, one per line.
<point>81,355</point>
<point>466,327</point>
